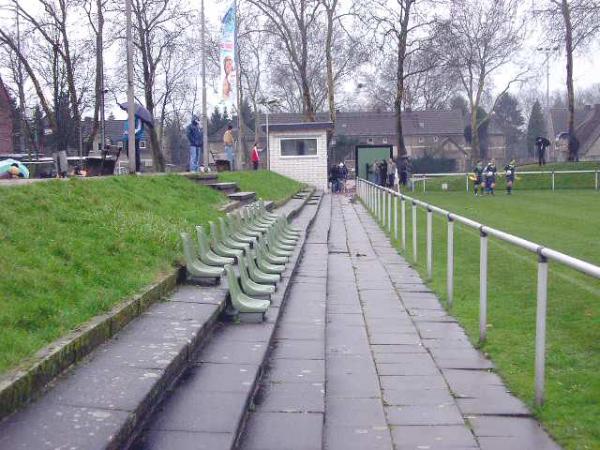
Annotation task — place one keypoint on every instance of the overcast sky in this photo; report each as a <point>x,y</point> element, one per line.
<point>587,65</point>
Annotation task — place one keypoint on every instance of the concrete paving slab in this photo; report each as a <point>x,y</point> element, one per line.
<point>224,352</point>
<point>224,377</point>
<point>300,371</point>
<point>291,397</point>
<point>123,388</point>
<point>298,349</point>
<point>284,431</point>
<point>424,368</point>
<point>355,412</point>
<point>417,396</point>
<point>301,332</point>
<point>119,353</point>
<point>433,437</point>
<point>182,311</point>
<point>221,412</point>
<point>413,381</point>
<point>339,437</point>
<point>185,440</point>
<point>522,432</point>
<point>53,426</point>
<point>442,414</point>
<point>391,349</point>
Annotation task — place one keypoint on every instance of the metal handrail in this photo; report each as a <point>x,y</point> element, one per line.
<point>376,198</point>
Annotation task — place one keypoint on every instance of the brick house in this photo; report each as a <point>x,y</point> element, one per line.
<point>6,122</point>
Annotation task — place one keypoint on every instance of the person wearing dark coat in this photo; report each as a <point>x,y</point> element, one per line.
<point>195,137</point>
<point>383,173</point>
<point>541,144</point>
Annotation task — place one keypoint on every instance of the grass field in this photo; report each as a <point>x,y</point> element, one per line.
<point>72,250</point>
<point>266,184</point>
<point>566,221</point>
<point>542,181</point>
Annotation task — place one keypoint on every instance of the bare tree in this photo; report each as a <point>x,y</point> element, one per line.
<point>159,25</point>
<point>480,38</point>
<point>294,22</point>
<point>572,24</point>
<point>406,24</point>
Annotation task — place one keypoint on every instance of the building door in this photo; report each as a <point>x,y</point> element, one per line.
<point>365,155</point>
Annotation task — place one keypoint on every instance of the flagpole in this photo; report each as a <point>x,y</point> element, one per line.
<point>238,80</point>
<point>130,95</point>
<point>205,160</point>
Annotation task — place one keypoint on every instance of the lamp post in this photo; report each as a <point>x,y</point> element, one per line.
<point>268,104</point>
<point>204,113</point>
<point>130,95</point>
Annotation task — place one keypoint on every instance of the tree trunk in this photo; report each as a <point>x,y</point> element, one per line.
<point>99,70</point>
<point>402,38</point>
<point>573,150</point>
<point>329,62</point>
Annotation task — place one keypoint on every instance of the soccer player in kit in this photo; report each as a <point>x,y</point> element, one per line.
<point>510,169</point>
<point>490,177</point>
<point>478,177</point>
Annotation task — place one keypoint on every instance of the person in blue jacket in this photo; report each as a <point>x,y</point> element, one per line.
<point>195,137</point>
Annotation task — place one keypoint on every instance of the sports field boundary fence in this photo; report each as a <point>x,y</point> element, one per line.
<point>383,204</point>
<point>553,176</point>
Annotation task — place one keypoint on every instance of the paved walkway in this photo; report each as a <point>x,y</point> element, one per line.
<point>366,358</point>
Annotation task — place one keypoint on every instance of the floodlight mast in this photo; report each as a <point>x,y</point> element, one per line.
<point>130,95</point>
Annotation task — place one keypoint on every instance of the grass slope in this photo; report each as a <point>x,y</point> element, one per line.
<point>543,181</point>
<point>72,250</point>
<point>267,185</point>
<point>564,221</point>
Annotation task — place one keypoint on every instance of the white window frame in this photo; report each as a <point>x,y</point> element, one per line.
<point>421,139</point>
<point>298,137</point>
<point>142,144</point>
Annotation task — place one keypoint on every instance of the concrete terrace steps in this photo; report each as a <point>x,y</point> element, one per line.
<point>244,198</point>
<point>208,407</point>
<point>103,402</point>
<point>225,187</point>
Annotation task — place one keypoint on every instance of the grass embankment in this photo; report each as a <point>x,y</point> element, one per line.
<point>543,181</point>
<point>565,221</point>
<point>72,250</point>
<point>267,185</point>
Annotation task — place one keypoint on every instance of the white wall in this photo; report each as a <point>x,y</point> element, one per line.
<point>311,169</point>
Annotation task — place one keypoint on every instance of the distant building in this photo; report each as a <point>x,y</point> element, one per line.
<point>587,131</point>
<point>433,133</point>
<point>6,122</point>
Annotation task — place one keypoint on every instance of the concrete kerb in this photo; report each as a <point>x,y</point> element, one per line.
<point>22,385</point>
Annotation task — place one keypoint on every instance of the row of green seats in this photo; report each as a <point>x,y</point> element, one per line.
<point>261,244</point>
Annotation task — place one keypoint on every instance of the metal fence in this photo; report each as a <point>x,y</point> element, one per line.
<point>423,178</point>
<point>383,203</point>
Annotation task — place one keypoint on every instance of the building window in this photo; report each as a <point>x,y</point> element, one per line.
<point>142,144</point>
<point>421,139</point>
<point>370,140</point>
<point>384,140</point>
<point>435,139</point>
<point>298,147</point>
<point>120,144</point>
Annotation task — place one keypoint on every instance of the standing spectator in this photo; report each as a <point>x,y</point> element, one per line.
<point>383,173</point>
<point>391,172</point>
<point>195,137</point>
<point>139,135</point>
<point>342,177</point>
<point>404,170</point>
<point>375,169</point>
<point>228,144</point>
<point>333,178</point>
<point>541,144</point>
<point>255,157</point>
<point>396,180</point>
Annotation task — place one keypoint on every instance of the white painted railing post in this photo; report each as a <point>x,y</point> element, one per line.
<point>414,230</point>
<point>429,243</point>
<point>389,212</point>
<point>483,263</point>
<point>403,222</point>
<point>553,181</point>
<point>450,262</point>
<point>396,217</point>
<point>540,330</point>
<point>467,181</point>
<point>596,182</point>
<point>383,206</point>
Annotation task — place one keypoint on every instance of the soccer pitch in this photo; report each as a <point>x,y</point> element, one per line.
<point>567,221</point>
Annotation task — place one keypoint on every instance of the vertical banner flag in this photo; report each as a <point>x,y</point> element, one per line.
<point>228,69</point>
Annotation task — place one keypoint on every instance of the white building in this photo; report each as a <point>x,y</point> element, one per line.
<point>299,151</point>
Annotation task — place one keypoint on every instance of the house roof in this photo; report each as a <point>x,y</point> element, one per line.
<point>295,126</point>
<point>375,123</point>
<point>587,124</point>
<point>560,117</point>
